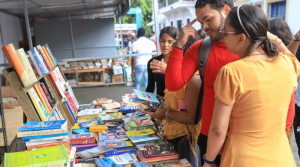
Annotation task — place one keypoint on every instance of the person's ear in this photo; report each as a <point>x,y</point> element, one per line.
<point>241,39</point>
<point>226,9</point>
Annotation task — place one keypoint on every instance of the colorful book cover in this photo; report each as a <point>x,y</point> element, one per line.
<point>53,117</point>
<point>84,138</point>
<point>140,132</point>
<point>135,122</point>
<point>73,95</point>
<point>41,58</point>
<point>142,146</point>
<point>117,160</point>
<point>94,152</point>
<point>30,143</point>
<point>146,96</point>
<point>97,128</point>
<point>41,132</point>
<point>23,57</point>
<point>48,56</point>
<point>89,112</point>
<point>114,134</point>
<point>44,96</point>
<point>121,150</point>
<point>65,143</point>
<point>59,138</point>
<point>83,147</point>
<point>13,59</point>
<point>41,105</point>
<point>159,150</point>
<point>143,138</point>
<point>114,124</point>
<point>177,162</point>
<point>71,101</point>
<point>39,62</point>
<point>39,48</point>
<point>37,104</point>
<point>95,121</point>
<point>114,143</point>
<point>50,53</point>
<point>44,136</point>
<point>42,99</point>
<point>44,83</point>
<point>40,157</point>
<point>71,112</point>
<point>48,96</point>
<point>34,66</point>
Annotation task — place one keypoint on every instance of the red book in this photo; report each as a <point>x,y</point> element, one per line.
<point>66,143</point>
<point>83,138</point>
<point>71,102</point>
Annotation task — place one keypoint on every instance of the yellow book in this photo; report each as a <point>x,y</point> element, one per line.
<point>24,59</point>
<point>42,98</point>
<point>97,128</point>
<point>48,56</point>
<point>88,116</point>
<point>76,126</point>
<point>140,132</point>
<point>129,143</point>
<point>35,103</point>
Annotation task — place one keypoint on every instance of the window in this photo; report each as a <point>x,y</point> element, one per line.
<point>159,26</point>
<point>171,23</point>
<point>277,9</point>
<point>179,24</point>
<point>188,21</point>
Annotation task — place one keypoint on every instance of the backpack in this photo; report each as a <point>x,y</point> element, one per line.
<point>203,54</point>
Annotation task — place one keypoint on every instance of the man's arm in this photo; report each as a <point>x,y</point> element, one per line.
<point>293,46</point>
<point>133,65</point>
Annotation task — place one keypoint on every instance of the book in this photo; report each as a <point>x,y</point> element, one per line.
<point>44,156</point>
<point>48,56</point>
<point>104,100</point>
<point>34,55</point>
<point>38,105</point>
<point>133,123</point>
<point>117,160</point>
<point>141,157</point>
<point>37,90</point>
<point>142,146</point>
<point>33,143</point>
<point>43,125</point>
<point>115,134</point>
<point>94,152</point>
<point>114,143</point>
<point>111,105</point>
<point>72,156</point>
<point>45,58</point>
<point>146,96</point>
<point>171,163</point>
<point>121,150</point>
<point>114,124</point>
<point>140,132</point>
<point>44,83</point>
<point>60,138</point>
<point>89,112</point>
<point>50,53</point>
<point>85,106</point>
<point>87,123</point>
<point>41,58</point>
<point>41,132</point>
<point>84,138</point>
<point>23,57</point>
<point>111,116</point>
<point>65,143</point>
<point>71,101</point>
<point>44,136</point>
<point>159,150</point>
<point>34,66</point>
<point>82,147</point>
<point>71,112</point>
<point>143,138</point>
<point>97,128</point>
<point>13,59</point>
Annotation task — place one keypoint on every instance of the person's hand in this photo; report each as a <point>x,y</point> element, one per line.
<point>206,165</point>
<point>132,74</point>
<point>158,66</point>
<point>159,114</point>
<point>274,38</point>
<point>185,33</point>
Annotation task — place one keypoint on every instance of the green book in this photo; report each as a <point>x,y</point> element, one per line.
<point>40,157</point>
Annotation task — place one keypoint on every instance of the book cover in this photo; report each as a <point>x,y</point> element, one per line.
<point>44,82</point>
<point>58,114</point>
<point>135,122</point>
<point>47,94</point>
<point>142,146</point>
<point>41,52</point>
<point>84,138</point>
<point>33,143</point>
<point>13,59</point>
<point>73,95</point>
<point>143,138</point>
<point>146,96</point>
<point>114,143</point>
<point>59,138</point>
<point>141,156</point>
<point>23,57</point>
<point>83,147</point>
<point>37,104</point>
<point>48,56</point>
<point>171,163</point>
<point>120,151</point>
<point>53,117</point>
<point>57,85</point>
<point>71,101</point>
<point>140,132</point>
<point>85,106</point>
<point>39,62</point>
<point>41,58</point>
<point>65,143</point>
<point>41,132</point>
<point>94,152</point>
<point>114,124</point>
<point>71,112</point>
<point>40,103</point>
<point>50,53</point>
<point>34,66</point>
<point>37,90</point>
<point>114,134</point>
<point>87,123</point>
<point>45,156</point>
<point>89,112</point>
<point>159,150</point>
<point>60,78</point>
<point>44,136</point>
<point>44,96</point>
<point>97,128</point>
<point>111,105</point>
<point>117,160</point>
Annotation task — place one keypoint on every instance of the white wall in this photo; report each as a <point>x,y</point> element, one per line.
<point>293,13</point>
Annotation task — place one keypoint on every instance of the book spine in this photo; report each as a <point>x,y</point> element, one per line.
<point>41,58</point>
<point>36,106</point>
<point>44,136</point>
<point>44,57</point>
<point>71,112</point>
<point>50,99</point>
<point>50,138</point>
<point>42,99</point>
<point>45,82</point>
<point>13,59</point>
<point>59,114</point>
<point>50,53</point>
<point>71,100</point>
<point>33,67</point>
<point>57,84</point>
<point>35,63</point>
<point>43,142</point>
<point>39,102</point>
<point>83,141</point>
<point>44,96</point>
<point>48,56</point>
<point>66,144</point>
<point>23,57</point>
<point>39,61</point>
<point>41,132</point>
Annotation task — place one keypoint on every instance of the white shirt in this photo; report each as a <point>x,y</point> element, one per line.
<point>143,45</point>
<point>117,41</point>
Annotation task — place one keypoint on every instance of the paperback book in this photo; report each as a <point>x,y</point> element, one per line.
<point>114,134</point>
<point>146,96</point>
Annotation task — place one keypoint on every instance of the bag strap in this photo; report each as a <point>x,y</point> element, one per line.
<point>203,54</point>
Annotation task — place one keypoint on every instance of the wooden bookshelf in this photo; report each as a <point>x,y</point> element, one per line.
<point>25,102</point>
<point>101,72</point>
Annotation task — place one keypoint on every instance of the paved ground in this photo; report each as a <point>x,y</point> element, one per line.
<point>87,95</point>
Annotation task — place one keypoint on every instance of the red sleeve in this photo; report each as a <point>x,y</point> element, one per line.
<point>181,69</point>
<point>290,114</point>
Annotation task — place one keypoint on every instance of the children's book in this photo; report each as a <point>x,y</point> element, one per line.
<point>146,96</point>
<point>136,122</point>
<point>43,125</point>
<point>113,134</point>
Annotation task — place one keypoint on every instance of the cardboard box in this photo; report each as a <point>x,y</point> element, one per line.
<point>117,70</point>
<point>117,78</point>
<point>7,91</point>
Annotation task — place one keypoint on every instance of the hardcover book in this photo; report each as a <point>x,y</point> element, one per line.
<point>40,157</point>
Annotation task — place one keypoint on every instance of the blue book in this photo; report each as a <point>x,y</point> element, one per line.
<point>120,151</point>
<point>43,125</point>
<point>44,136</point>
<point>146,96</point>
<point>38,60</point>
<point>50,53</point>
<point>115,161</point>
<point>71,112</point>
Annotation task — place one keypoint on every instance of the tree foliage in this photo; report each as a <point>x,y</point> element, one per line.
<point>146,6</point>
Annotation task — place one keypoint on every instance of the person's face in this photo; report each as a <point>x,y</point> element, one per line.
<point>166,43</point>
<point>212,20</point>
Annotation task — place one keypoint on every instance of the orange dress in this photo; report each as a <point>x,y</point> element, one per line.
<point>260,92</point>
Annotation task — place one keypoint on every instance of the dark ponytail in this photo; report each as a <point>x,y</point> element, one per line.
<point>256,26</point>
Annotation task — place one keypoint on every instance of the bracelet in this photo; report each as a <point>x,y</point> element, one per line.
<point>176,46</point>
<point>166,117</point>
<point>207,161</point>
<point>297,35</point>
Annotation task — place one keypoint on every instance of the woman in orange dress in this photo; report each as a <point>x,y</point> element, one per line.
<point>252,96</point>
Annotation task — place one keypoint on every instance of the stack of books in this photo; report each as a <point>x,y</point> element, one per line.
<point>41,134</point>
<point>83,141</point>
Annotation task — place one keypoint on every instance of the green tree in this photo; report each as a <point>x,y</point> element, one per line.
<point>146,6</point>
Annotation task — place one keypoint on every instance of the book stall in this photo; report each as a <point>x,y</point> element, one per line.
<point>60,132</point>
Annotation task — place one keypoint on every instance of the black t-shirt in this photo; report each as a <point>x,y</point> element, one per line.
<point>157,78</point>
